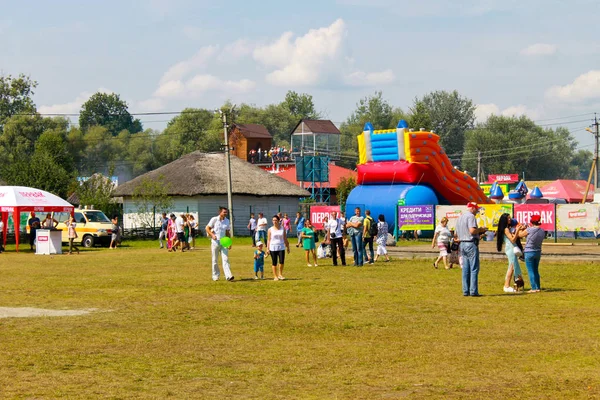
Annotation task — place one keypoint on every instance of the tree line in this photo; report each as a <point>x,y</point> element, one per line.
<point>50,152</point>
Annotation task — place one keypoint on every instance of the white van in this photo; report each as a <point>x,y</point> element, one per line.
<point>93,227</point>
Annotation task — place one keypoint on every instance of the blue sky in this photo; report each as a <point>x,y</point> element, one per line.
<point>538,58</point>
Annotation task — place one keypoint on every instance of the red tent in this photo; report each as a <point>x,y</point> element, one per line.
<point>18,199</point>
<point>570,190</point>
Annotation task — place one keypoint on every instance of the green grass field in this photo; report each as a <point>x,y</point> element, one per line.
<point>162,329</point>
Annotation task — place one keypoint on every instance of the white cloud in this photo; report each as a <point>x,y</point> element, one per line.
<point>539,49</point>
<point>483,111</point>
<point>276,54</point>
<point>584,87</point>
<point>360,78</point>
<point>202,83</point>
<point>71,107</point>
<point>236,50</point>
<point>150,105</point>
<point>305,60</point>
<point>315,58</point>
<point>170,89</point>
<point>198,61</point>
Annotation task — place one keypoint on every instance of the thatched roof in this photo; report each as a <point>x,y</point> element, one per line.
<point>200,173</point>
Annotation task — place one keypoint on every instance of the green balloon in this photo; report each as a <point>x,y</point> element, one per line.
<point>226,241</point>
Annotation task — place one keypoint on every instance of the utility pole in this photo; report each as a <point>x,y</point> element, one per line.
<point>228,167</point>
<point>596,151</point>
<point>478,166</point>
<point>595,161</point>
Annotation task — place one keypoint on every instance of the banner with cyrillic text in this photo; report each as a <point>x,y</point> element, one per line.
<point>318,214</point>
<point>577,217</point>
<point>415,218</point>
<point>523,213</point>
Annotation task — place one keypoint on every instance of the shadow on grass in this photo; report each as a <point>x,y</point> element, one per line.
<point>550,290</point>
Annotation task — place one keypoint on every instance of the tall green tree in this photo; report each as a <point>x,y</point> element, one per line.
<point>300,106</point>
<point>517,145</point>
<point>98,191</point>
<point>15,96</point>
<point>194,129</point>
<point>450,116</point>
<point>109,111</point>
<point>151,198</point>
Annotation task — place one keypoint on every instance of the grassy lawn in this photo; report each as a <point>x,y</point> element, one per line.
<point>162,328</point>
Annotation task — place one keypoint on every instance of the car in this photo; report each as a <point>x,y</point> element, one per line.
<point>93,227</point>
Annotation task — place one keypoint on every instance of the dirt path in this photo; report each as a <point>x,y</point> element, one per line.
<point>576,252</point>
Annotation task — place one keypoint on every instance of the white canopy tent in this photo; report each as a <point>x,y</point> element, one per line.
<point>18,199</point>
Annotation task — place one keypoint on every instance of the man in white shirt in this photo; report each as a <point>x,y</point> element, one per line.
<point>252,227</point>
<point>179,224</point>
<point>335,227</point>
<point>262,228</point>
<point>218,227</point>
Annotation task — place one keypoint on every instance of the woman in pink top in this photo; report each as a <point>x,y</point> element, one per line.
<point>287,224</point>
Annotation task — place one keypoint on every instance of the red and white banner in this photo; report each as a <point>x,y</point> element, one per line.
<point>503,178</point>
<point>318,214</point>
<point>547,213</point>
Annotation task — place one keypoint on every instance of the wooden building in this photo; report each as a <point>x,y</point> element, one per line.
<point>246,137</point>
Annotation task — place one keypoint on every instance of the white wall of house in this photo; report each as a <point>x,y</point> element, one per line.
<point>205,207</point>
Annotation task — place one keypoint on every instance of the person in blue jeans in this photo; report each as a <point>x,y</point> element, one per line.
<point>468,233</point>
<point>355,230</point>
<point>533,251</point>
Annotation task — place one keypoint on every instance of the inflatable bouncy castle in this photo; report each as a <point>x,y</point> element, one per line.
<point>396,165</point>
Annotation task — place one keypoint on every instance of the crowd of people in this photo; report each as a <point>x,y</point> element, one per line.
<point>177,233</point>
<point>274,154</point>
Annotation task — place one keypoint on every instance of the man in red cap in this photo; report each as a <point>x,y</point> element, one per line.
<point>533,251</point>
<point>468,233</point>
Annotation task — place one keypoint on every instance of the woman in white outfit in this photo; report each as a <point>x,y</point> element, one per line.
<point>442,238</point>
<point>277,243</point>
<point>382,235</point>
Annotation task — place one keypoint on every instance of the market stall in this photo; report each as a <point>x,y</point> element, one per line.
<point>19,199</point>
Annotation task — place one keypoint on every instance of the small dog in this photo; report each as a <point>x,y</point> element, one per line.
<point>519,284</point>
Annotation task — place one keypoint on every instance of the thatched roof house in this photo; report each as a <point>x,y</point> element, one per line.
<point>197,184</point>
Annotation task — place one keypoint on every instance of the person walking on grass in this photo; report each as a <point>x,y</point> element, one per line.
<point>369,233</point>
<point>277,243</point>
<point>469,233</point>
<point>382,235</point>
<point>508,238</point>
<point>261,228</point>
<point>259,261</point>
<point>252,228</point>
<point>533,251</point>
<point>114,238</point>
<point>164,225</point>
<point>193,231</point>
<point>333,233</point>
<point>441,238</point>
<point>355,230</point>
<point>219,227</point>
<point>309,243</point>
<point>299,222</point>
<point>72,233</point>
